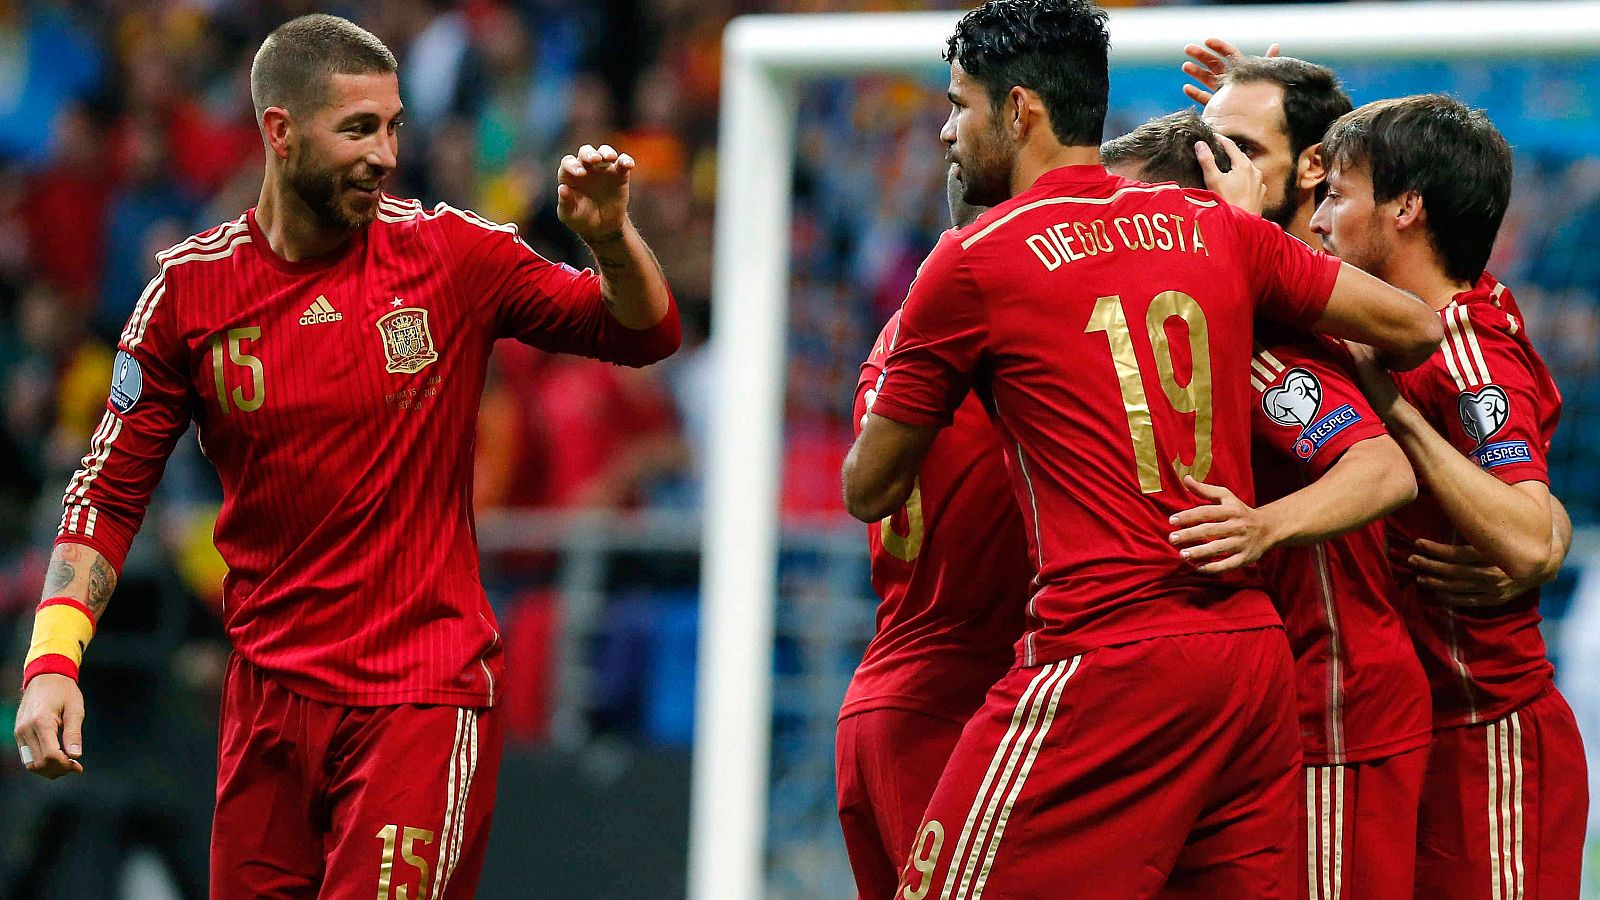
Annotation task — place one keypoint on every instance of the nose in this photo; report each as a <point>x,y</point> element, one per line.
<point>948,132</point>
<point>384,153</point>
<point>1319,219</point>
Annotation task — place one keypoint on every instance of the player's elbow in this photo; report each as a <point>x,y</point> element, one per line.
<point>1416,339</point>
<point>1396,483</point>
<point>866,497</point>
<point>1527,560</point>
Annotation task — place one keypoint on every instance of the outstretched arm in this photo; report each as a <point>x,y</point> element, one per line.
<point>49,727</point>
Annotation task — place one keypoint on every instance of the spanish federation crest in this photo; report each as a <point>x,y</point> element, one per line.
<point>407,342</point>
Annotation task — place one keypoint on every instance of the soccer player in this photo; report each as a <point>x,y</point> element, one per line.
<point>1326,472</point>
<point>330,345</point>
<point>1146,739</point>
<point>1418,187</point>
<point>952,569</point>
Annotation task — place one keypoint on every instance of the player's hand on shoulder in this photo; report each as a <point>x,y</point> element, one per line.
<point>1458,575</point>
<point>1242,185</point>
<point>592,191</point>
<point>1207,63</point>
<point>1222,535</point>
<point>49,728</point>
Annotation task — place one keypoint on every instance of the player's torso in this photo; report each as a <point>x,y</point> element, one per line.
<point>336,400</point>
<point>1362,692</point>
<point>1481,663</point>
<point>952,570</point>
<point>1122,329</point>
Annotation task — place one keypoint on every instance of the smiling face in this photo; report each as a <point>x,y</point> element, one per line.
<point>979,148</point>
<point>340,154</point>
<point>1251,114</point>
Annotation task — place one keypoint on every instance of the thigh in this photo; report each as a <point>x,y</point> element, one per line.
<point>266,837</point>
<point>871,862</point>
<point>411,796</point>
<point>1086,778</point>
<point>1378,858</point>
<point>1503,808</point>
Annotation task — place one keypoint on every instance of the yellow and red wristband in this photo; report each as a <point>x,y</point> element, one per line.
<point>62,629</point>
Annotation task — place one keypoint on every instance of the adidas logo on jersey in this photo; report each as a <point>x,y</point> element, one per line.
<point>320,311</point>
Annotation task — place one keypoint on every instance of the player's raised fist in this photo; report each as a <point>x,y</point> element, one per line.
<point>592,191</point>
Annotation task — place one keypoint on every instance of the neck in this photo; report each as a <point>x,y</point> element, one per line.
<point>1035,161</point>
<point>1417,269</point>
<point>1300,225</point>
<point>292,229</point>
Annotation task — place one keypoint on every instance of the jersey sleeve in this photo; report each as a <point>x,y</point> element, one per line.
<point>548,305</point>
<point>871,379</point>
<point>1292,281</point>
<point>148,409</point>
<point>1308,407</point>
<point>942,340</point>
<point>1489,398</point>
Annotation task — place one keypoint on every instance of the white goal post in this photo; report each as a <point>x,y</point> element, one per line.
<point>766,61</point>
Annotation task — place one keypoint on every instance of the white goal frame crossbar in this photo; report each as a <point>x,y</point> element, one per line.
<point>766,58</point>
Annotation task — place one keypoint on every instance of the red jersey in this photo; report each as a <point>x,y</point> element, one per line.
<point>1108,323</point>
<point>1488,392</point>
<point>336,397</point>
<point>951,567</point>
<point>1362,692</point>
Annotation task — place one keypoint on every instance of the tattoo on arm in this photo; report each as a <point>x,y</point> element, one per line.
<point>102,581</point>
<point>77,570</point>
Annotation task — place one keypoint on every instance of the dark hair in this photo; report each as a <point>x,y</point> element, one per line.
<point>1312,95</point>
<point>296,60</point>
<point>1450,154</point>
<point>1056,48</point>
<point>1164,149</point>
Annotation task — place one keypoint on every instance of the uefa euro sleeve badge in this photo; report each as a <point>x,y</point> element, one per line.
<point>407,342</point>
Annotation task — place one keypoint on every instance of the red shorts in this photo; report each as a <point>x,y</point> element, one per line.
<point>1504,806</point>
<point>887,762</point>
<point>1358,827</point>
<point>336,802</point>
<point>1164,768</point>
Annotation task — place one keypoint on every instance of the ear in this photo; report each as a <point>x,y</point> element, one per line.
<point>1310,173</point>
<point>1408,211</point>
<point>278,126</point>
<point>1018,111</point>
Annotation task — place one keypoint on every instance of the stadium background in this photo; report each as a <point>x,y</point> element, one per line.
<point>126,126</point>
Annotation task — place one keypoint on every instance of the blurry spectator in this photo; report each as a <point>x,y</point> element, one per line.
<point>147,214</point>
<point>46,62</point>
<point>65,210</point>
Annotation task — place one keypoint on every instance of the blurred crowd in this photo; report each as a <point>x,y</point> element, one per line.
<point>126,126</point>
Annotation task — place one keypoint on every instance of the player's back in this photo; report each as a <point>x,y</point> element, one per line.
<point>1109,323</point>
<point>951,568</point>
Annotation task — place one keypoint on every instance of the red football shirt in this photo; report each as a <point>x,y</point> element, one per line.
<point>1362,692</point>
<point>336,398</point>
<point>951,567</point>
<point>1488,392</point>
<point>1108,323</point>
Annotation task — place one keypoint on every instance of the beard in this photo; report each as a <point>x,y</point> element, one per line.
<point>1370,255</point>
<point>986,170</point>
<point>1282,213</point>
<point>322,190</point>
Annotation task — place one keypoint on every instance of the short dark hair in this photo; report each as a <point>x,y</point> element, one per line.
<point>1056,48</point>
<point>1313,98</point>
<point>1164,149</point>
<point>295,62</point>
<point>1444,150</point>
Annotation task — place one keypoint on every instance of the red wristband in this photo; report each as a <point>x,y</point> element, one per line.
<point>52,663</point>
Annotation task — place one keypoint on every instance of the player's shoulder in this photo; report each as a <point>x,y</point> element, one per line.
<point>215,243</point>
<point>1487,311</point>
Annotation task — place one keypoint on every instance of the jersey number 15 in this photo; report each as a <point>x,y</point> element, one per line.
<point>1194,397</point>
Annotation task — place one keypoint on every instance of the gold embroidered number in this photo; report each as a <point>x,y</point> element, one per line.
<point>1194,397</point>
<point>234,342</point>
<point>407,839</point>
<point>906,546</point>
<point>924,859</point>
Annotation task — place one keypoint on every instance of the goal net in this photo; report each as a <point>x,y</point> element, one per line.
<point>769,63</point>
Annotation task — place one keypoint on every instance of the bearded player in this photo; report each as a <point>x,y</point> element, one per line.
<point>1325,474</point>
<point>1145,741</point>
<point>952,569</point>
<point>330,345</point>
<point>1418,187</point>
